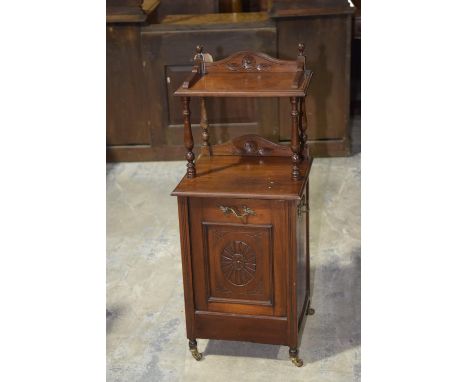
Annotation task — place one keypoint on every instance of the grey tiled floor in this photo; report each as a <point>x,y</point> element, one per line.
<point>145,312</point>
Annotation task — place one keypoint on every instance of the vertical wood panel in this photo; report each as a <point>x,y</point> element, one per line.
<point>168,56</point>
<point>127,106</point>
<point>327,51</point>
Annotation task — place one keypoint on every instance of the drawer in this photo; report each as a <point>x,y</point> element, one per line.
<point>238,211</point>
<point>239,249</point>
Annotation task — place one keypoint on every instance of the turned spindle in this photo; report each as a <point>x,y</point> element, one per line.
<point>204,124</point>
<point>188,138</point>
<point>303,124</point>
<point>295,144</point>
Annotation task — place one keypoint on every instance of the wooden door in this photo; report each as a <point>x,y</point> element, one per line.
<point>328,48</point>
<point>168,52</point>
<point>128,122</point>
<point>239,267</point>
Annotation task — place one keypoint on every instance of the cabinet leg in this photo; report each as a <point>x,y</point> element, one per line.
<point>194,350</point>
<point>294,356</point>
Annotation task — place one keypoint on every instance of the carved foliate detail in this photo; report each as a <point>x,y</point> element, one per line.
<point>251,148</point>
<point>238,263</point>
<point>248,64</point>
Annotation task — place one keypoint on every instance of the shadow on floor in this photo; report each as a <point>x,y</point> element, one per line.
<point>112,314</point>
<point>244,349</point>
<point>334,328</point>
<point>336,325</point>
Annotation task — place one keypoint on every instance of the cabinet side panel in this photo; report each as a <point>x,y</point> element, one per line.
<point>292,274</point>
<point>280,243</point>
<point>301,282</point>
<point>186,263</point>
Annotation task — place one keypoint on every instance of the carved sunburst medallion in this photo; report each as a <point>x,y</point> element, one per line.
<point>238,263</point>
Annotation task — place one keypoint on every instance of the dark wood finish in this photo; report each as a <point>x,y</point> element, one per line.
<point>295,145</point>
<point>325,28</point>
<point>230,5</point>
<point>244,216</point>
<point>294,8</point>
<point>124,78</point>
<point>125,11</point>
<point>228,118</point>
<point>182,7</point>
<point>128,115</point>
<point>245,177</point>
<point>248,74</point>
<point>249,145</point>
<point>204,125</point>
<point>245,279</point>
<point>252,328</point>
<point>188,138</point>
<point>186,265</point>
<point>238,258</point>
<point>144,122</point>
<point>219,19</point>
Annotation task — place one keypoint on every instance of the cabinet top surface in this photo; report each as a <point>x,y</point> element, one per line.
<point>247,74</point>
<point>244,177</point>
<point>265,84</point>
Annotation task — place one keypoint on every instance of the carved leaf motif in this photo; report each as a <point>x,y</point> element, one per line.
<point>248,64</point>
<point>233,66</point>
<point>263,67</point>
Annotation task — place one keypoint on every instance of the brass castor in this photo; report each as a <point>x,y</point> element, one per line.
<point>294,356</point>
<point>193,349</point>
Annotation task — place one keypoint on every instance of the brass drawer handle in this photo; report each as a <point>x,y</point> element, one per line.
<point>246,211</point>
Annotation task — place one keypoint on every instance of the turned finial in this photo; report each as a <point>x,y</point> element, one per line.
<point>301,49</point>
<point>200,60</point>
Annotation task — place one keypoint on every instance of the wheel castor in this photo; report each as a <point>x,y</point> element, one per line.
<point>194,350</point>
<point>294,356</point>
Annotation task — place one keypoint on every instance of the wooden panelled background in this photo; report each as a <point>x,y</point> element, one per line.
<point>150,49</point>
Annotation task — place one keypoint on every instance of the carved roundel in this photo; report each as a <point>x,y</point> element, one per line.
<point>238,263</point>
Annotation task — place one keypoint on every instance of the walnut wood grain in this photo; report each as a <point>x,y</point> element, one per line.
<point>244,228</point>
<point>247,84</point>
<point>215,18</point>
<point>245,177</point>
<point>248,74</point>
<point>249,145</point>
<point>273,313</point>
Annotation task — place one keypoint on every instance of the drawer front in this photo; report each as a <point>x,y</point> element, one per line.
<point>238,250</point>
<point>241,211</point>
